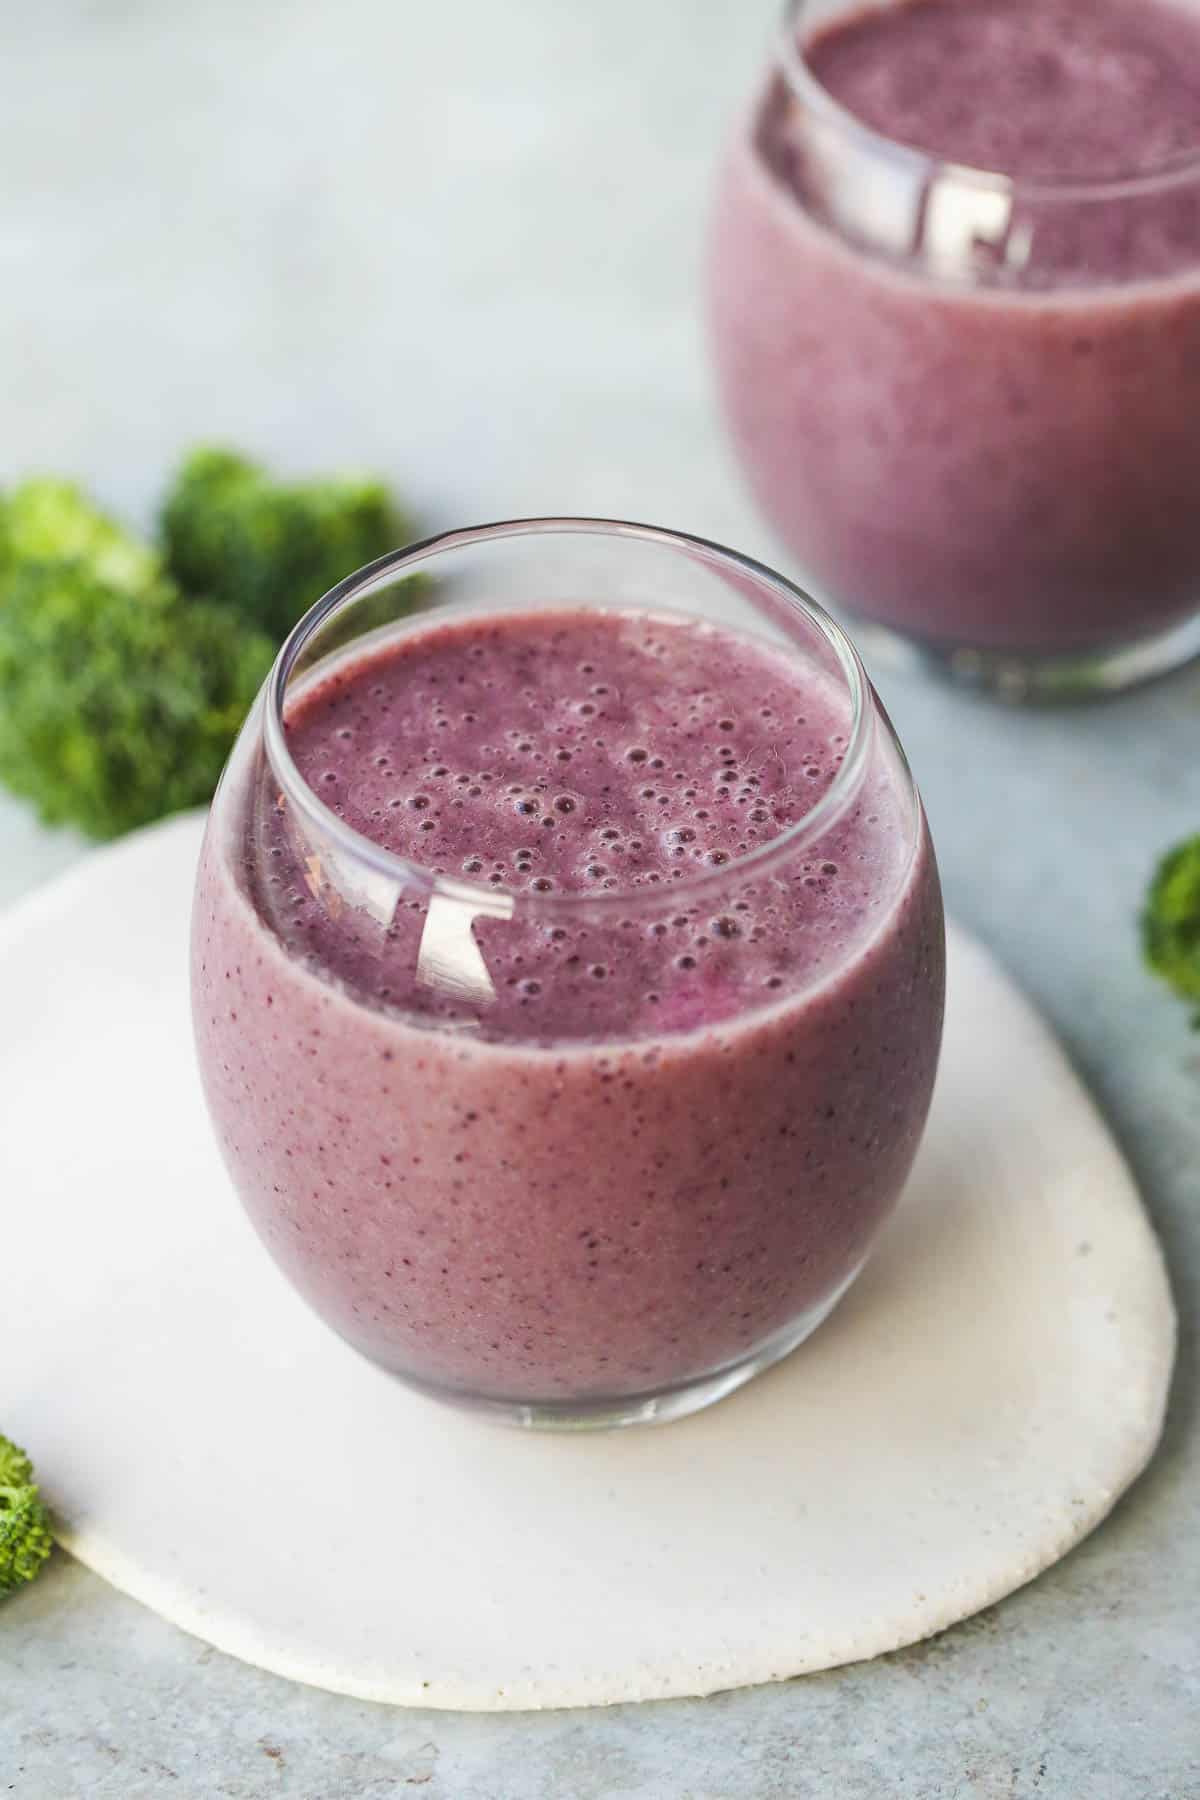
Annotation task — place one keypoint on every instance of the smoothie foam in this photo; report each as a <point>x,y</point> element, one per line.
<point>1048,88</point>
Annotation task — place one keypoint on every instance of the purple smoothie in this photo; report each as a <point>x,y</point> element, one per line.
<point>997,447</point>
<point>672,1132</point>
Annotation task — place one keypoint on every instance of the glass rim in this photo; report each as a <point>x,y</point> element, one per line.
<point>1174,171</point>
<point>484,898</point>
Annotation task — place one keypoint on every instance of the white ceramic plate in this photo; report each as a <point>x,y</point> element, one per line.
<point>975,1406</point>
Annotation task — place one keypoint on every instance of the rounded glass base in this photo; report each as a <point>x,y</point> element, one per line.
<point>599,1413</point>
<point>1031,678</point>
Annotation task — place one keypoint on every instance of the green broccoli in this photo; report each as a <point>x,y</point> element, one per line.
<point>1171,921</point>
<point>117,708</point>
<point>124,677</point>
<point>53,521</point>
<point>25,1538</point>
<point>271,548</point>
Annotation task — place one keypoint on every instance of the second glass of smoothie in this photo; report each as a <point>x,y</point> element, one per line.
<point>568,968</point>
<point>955,297</point>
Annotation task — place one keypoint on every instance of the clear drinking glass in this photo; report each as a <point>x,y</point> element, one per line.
<point>569,1154</point>
<point>968,403</point>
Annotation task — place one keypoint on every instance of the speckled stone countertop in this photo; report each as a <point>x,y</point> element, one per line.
<point>460,244</point>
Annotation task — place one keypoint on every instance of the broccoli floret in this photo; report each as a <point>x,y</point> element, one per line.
<point>1171,921</point>
<point>124,678</point>
<point>119,699</point>
<point>25,1538</point>
<point>117,708</point>
<point>53,521</point>
<point>271,548</point>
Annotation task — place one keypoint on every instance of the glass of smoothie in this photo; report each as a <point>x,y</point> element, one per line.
<point>955,304</point>
<point>568,968</point>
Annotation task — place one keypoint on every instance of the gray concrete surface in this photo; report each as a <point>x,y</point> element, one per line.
<point>461,244</point>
